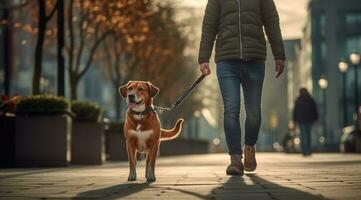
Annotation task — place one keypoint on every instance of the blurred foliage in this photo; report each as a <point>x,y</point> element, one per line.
<point>8,104</point>
<point>159,57</point>
<point>90,22</point>
<point>43,104</point>
<point>166,65</point>
<point>128,40</point>
<point>86,111</point>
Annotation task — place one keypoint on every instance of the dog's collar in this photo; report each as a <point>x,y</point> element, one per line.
<point>146,111</point>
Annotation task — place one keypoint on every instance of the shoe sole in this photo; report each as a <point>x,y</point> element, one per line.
<point>250,169</point>
<point>234,171</point>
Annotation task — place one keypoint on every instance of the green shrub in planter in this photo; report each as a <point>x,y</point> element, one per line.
<point>87,134</point>
<point>42,104</point>
<point>42,131</point>
<point>86,111</point>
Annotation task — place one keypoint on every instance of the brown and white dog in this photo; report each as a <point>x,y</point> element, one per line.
<point>142,128</point>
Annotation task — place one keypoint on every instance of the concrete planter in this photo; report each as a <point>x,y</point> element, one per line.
<point>42,140</point>
<point>7,141</point>
<point>115,145</point>
<point>183,146</point>
<point>87,143</point>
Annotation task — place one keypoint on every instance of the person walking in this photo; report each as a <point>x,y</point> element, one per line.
<point>240,53</point>
<point>304,115</point>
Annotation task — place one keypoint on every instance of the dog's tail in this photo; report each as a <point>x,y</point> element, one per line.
<point>173,133</point>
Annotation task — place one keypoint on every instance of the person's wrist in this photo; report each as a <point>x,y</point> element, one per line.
<point>201,61</point>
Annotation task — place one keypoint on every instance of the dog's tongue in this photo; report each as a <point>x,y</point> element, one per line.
<point>131,105</point>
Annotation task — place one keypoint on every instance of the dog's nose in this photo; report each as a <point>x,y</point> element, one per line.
<point>131,96</point>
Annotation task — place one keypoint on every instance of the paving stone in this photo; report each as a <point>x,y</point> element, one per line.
<point>279,176</point>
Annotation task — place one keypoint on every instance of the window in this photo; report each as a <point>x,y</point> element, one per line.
<point>353,19</point>
<point>353,44</point>
<point>322,25</point>
<point>323,51</point>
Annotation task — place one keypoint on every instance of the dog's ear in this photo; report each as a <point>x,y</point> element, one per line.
<point>123,90</point>
<point>153,90</point>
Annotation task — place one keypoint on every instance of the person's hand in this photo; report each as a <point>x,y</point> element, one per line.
<point>204,67</point>
<point>280,65</point>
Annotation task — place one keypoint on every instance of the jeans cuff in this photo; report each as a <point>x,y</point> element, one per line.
<point>232,153</point>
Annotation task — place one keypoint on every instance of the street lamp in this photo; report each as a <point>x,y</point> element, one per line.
<point>343,67</point>
<point>323,83</point>
<point>355,60</point>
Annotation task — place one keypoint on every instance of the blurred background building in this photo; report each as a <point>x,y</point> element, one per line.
<point>331,32</point>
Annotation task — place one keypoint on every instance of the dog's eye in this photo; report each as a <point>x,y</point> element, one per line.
<point>130,88</point>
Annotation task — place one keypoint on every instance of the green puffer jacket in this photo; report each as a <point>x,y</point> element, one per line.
<point>238,26</point>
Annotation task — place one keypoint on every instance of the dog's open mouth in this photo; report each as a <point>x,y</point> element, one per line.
<point>132,104</point>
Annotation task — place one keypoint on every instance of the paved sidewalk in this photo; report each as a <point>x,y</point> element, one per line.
<point>279,176</point>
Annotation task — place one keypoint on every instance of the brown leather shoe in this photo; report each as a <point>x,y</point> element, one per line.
<point>250,163</point>
<point>236,166</point>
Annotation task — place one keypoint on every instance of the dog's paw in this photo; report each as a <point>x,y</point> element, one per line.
<point>150,176</point>
<point>132,176</point>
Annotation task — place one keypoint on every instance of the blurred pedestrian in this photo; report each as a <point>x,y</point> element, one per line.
<point>237,26</point>
<point>304,115</point>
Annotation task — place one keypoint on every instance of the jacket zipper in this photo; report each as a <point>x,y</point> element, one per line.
<point>240,28</point>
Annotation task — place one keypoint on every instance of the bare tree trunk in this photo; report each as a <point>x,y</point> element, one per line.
<point>39,47</point>
<point>71,37</point>
<point>8,54</point>
<point>61,41</point>
<point>73,88</point>
<point>78,75</point>
<point>43,20</point>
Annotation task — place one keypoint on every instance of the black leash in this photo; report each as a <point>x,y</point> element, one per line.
<point>181,98</point>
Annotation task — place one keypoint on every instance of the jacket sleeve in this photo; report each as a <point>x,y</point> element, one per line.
<point>271,22</point>
<point>209,30</point>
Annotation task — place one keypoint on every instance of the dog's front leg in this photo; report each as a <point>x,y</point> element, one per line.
<point>153,152</point>
<point>147,164</point>
<point>132,162</point>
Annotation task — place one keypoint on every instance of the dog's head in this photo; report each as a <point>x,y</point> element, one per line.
<point>138,93</point>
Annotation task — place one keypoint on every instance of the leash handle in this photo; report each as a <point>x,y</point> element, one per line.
<point>181,98</point>
<point>188,91</point>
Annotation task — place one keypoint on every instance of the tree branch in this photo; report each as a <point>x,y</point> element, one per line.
<point>92,52</point>
<point>71,35</point>
<point>108,60</point>
<point>55,8</point>
<point>81,45</point>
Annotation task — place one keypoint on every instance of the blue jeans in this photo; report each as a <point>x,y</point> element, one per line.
<point>305,129</point>
<point>231,76</point>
